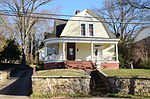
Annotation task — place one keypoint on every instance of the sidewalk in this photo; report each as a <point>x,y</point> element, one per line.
<point>13,97</point>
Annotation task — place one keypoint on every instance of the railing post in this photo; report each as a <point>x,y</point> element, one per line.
<point>116,52</point>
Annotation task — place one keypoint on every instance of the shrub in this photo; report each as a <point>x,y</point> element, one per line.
<point>146,64</point>
<point>121,62</point>
<point>11,51</point>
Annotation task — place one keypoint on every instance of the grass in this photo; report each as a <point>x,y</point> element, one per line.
<point>41,96</point>
<point>68,96</point>
<point>128,96</point>
<point>64,95</point>
<point>61,72</point>
<point>127,72</point>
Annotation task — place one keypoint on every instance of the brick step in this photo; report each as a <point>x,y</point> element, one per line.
<point>79,65</point>
<point>85,65</point>
<point>83,62</point>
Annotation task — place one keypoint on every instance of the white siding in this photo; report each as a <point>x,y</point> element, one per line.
<point>72,28</point>
<point>84,51</point>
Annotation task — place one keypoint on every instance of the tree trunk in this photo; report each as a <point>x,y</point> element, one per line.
<point>32,48</point>
<point>23,62</point>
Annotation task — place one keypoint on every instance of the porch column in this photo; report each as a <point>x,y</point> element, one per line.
<point>91,51</point>
<point>116,51</point>
<point>64,52</point>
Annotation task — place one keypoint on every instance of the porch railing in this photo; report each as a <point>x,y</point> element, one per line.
<point>104,58</point>
<point>59,57</point>
<point>53,57</point>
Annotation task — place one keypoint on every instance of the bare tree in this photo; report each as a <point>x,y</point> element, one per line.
<point>140,4</point>
<point>24,23</point>
<point>2,43</point>
<point>121,20</point>
<point>120,17</point>
<point>5,28</point>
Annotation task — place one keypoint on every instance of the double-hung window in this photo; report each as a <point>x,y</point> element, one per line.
<point>83,29</point>
<point>91,29</point>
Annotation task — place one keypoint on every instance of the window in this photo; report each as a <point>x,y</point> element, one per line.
<point>83,29</point>
<point>145,40</point>
<point>51,51</point>
<point>71,51</point>
<point>91,29</point>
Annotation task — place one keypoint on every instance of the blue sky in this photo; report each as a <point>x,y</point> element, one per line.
<point>70,6</point>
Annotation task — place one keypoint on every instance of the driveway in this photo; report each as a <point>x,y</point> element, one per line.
<point>17,87</point>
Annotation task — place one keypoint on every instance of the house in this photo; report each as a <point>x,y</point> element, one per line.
<point>141,45</point>
<point>82,42</point>
<point>41,54</point>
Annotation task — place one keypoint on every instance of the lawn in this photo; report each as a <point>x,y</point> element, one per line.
<point>61,96</point>
<point>127,72</point>
<point>61,72</point>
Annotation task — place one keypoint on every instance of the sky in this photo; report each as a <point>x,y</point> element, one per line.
<point>70,6</point>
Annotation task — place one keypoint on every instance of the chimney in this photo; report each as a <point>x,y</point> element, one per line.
<point>77,11</point>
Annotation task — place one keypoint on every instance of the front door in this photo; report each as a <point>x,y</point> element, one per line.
<point>98,51</point>
<point>71,51</point>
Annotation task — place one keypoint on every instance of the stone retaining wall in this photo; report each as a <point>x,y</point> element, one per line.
<point>122,85</point>
<point>129,85</point>
<point>60,85</point>
<point>99,84</point>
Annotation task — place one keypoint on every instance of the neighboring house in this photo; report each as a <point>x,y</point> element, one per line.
<point>82,43</point>
<point>141,45</point>
<point>41,54</point>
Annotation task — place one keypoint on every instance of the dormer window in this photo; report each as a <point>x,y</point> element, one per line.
<point>83,29</point>
<point>91,29</point>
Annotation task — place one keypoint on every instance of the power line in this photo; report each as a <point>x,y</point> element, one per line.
<point>9,11</point>
<point>41,17</point>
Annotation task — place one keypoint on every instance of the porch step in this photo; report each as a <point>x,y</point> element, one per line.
<point>84,65</point>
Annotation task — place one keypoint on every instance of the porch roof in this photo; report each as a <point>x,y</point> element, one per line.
<point>80,40</point>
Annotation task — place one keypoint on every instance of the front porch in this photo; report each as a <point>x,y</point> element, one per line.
<point>76,53</point>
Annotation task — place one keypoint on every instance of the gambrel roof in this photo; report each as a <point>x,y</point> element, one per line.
<point>71,27</point>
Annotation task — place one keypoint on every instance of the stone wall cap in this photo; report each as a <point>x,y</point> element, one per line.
<point>121,77</point>
<point>61,76</point>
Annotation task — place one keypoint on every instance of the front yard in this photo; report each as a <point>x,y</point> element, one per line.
<point>127,72</point>
<point>61,72</point>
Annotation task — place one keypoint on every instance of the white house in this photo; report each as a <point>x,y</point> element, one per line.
<point>84,40</point>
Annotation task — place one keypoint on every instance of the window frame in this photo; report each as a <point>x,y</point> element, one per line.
<point>92,29</point>
<point>81,29</point>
